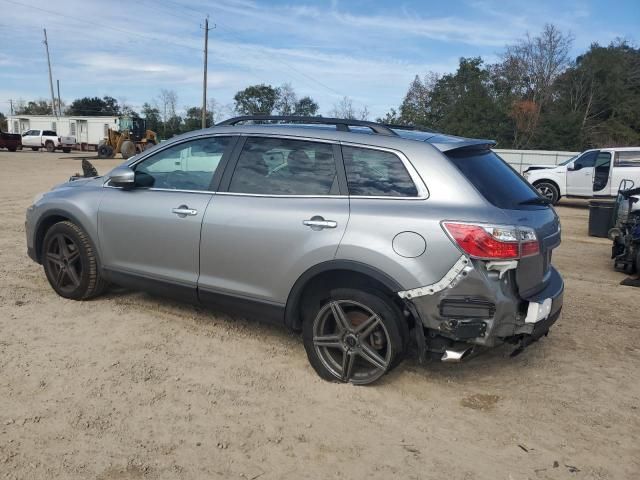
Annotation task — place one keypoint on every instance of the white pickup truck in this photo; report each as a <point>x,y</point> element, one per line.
<point>594,173</point>
<point>48,139</point>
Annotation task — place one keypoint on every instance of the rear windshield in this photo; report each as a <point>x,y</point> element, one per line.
<point>494,178</point>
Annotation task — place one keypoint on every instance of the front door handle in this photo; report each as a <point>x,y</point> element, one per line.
<point>318,223</point>
<point>183,210</point>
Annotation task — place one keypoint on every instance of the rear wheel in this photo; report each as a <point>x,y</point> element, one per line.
<point>50,147</point>
<point>66,150</point>
<point>35,149</point>
<point>549,191</point>
<point>70,262</point>
<point>12,149</point>
<point>354,336</point>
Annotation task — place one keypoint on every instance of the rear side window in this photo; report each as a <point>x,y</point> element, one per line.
<point>493,178</point>
<point>49,133</point>
<point>376,173</point>
<point>280,166</point>
<point>628,159</point>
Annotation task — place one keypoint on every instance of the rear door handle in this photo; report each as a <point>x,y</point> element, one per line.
<point>183,210</point>
<point>318,223</point>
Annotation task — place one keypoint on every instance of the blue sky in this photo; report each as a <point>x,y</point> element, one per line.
<point>367,50</point>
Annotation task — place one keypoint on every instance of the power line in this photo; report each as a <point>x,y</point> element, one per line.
<point>190,47</point>
<point>115,29</point>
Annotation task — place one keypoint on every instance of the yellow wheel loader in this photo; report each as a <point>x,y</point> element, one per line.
<point>132,138</point>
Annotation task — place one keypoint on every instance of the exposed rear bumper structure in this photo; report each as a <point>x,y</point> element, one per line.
<point>477,304</point>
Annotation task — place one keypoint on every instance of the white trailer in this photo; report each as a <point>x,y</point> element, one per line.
<point>88,131</point>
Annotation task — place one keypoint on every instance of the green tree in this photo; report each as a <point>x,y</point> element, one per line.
<point>152,116</point>
<point>306,107</point>
<point>94,106</point>
<point>462,104</point>
<point>416,108</point>
<point>38,107</point>
<point>597,100</point>
<point>193,119</point>
<point>256,100</point>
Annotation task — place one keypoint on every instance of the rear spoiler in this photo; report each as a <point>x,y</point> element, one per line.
<point>448,146</point>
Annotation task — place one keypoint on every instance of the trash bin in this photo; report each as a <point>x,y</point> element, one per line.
<point>600,217</point>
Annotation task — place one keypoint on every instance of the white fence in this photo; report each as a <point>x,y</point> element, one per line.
<point>521,159</point>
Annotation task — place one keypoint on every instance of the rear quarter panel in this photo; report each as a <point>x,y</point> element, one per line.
<point>375,222</point>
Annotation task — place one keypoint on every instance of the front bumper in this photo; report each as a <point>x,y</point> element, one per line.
<point>483,307</point>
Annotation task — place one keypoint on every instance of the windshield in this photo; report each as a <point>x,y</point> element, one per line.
<point>500,184</point>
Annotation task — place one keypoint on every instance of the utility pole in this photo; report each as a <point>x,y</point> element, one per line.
<point>11,105</point>
<point>53,98</point>
<point>59,101</point>
<point>204,82</point>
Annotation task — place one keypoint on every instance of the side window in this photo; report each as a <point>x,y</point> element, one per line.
<point>279,166</point>
<point>586,160</point>
<point>628,159</point>
<point>186,166</point>
<point>375,173</point>
<point>49,133</point>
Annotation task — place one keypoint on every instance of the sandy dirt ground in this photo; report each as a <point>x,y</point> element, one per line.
<point>129,386</point>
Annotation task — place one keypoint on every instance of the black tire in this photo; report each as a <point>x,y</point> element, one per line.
<point>373,324</point>
<point>549,191</point>
<point>105,151</point>
<point>35,149</point>
<point>70,262</point>
<point>127,149</point>
<point>13,149</point>
<point>50,147</point>
<point>66,150</point>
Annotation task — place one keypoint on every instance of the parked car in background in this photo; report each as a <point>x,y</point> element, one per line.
<point>359,238</point>
<point>10,141</point>
<point>594,173</point>
<point>48,139</point>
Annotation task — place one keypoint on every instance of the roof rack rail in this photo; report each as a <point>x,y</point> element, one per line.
<point>342,124</point>
<point>400,127</point>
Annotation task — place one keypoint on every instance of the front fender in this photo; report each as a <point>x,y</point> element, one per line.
<point>79,205</point>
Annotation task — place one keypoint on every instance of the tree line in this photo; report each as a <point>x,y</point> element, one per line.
<point>162,113</point>
<point>535,97</point>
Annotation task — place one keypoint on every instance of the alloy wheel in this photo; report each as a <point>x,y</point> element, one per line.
<point>546,191</point>
<point>63,259</point>
<point>352,341</point>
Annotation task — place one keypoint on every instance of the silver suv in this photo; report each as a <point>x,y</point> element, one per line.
<point>364,237</point>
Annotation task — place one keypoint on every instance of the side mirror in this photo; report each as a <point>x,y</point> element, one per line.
<point>123,177</point>
<point>576,166</point>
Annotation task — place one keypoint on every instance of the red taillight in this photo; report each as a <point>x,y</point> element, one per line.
<point>494,242</point>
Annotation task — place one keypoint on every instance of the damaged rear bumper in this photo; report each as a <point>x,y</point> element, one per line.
<point>477,303</point>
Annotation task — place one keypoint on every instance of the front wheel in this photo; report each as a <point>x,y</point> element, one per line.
<point>66,150</point>
<point>549,191</point>
<point>35,149</point>
<point>354,336</point>
<point>70,262</point>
